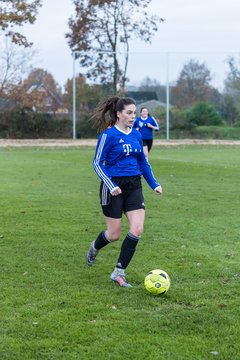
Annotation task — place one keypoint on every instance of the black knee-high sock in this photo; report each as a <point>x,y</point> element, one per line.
<point>127,250</point>
<point>101,241</point>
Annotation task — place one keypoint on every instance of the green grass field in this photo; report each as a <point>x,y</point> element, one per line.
<point>54,307</point>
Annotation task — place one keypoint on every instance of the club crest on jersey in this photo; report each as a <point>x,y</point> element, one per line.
<point>127,148</point>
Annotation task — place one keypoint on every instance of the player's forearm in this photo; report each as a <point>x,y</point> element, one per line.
<point>148,176</point>
<point>103,175</point>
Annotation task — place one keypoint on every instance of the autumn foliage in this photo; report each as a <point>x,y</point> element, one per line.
<point>17,13</point>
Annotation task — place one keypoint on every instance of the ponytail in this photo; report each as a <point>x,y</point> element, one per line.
<point>106,111</point>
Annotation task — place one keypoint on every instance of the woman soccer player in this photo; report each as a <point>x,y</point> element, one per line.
<point>146,123</point>
<point>119,162</point>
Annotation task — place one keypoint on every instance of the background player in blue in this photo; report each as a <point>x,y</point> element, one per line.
<point>146,123</point>
<point>119,162</point>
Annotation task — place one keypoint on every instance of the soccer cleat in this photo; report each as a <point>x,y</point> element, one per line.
<point>91,255</point>
<point>121,280</point>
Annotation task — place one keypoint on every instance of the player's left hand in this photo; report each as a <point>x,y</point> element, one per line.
<point>159,190</point>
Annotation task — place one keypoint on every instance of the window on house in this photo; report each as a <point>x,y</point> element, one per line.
<point>48,101</point>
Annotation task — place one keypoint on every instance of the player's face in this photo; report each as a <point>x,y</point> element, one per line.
<point>144,113</point>
<point>127,116</point>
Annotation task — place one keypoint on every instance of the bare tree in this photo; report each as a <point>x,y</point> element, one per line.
<point>193,84</point>
<point>232,90</point>
<point>232,83</point>
<point>15,63</point>
<point>100,34</point>
<point>16,13</point>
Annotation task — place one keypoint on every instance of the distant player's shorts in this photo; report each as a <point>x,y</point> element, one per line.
<point>148,143</point>
<point>130,199</point>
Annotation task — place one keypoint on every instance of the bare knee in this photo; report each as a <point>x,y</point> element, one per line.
<point>114,234</point>
<point>137,230</point>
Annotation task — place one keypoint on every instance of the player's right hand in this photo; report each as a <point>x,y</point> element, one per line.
<point>116,191</point>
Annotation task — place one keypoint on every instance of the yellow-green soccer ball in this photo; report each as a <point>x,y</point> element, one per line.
<point>157,282</point>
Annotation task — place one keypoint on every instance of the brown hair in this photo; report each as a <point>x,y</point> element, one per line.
<point>106,111</point>
<point>144,107</point>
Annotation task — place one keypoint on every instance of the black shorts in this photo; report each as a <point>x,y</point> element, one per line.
<point>130,199</point>
<point>148,143</point>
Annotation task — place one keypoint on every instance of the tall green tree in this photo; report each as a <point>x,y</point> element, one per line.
<point>203,114</point>
<point>14,13</point>
<point>100,35</point>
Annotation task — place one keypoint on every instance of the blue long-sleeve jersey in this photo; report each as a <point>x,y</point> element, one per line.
<point>146,132</point>
<point>120,154</point>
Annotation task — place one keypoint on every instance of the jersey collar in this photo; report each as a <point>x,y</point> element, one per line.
<point>124,132</point>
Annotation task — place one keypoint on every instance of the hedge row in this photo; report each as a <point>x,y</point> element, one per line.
<point>24,124</point>
<point>202,132</point>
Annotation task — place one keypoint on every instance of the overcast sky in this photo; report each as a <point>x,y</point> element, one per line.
<point>206,30</point>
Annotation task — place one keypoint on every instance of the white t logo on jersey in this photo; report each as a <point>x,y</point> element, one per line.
<point>127,148</point>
